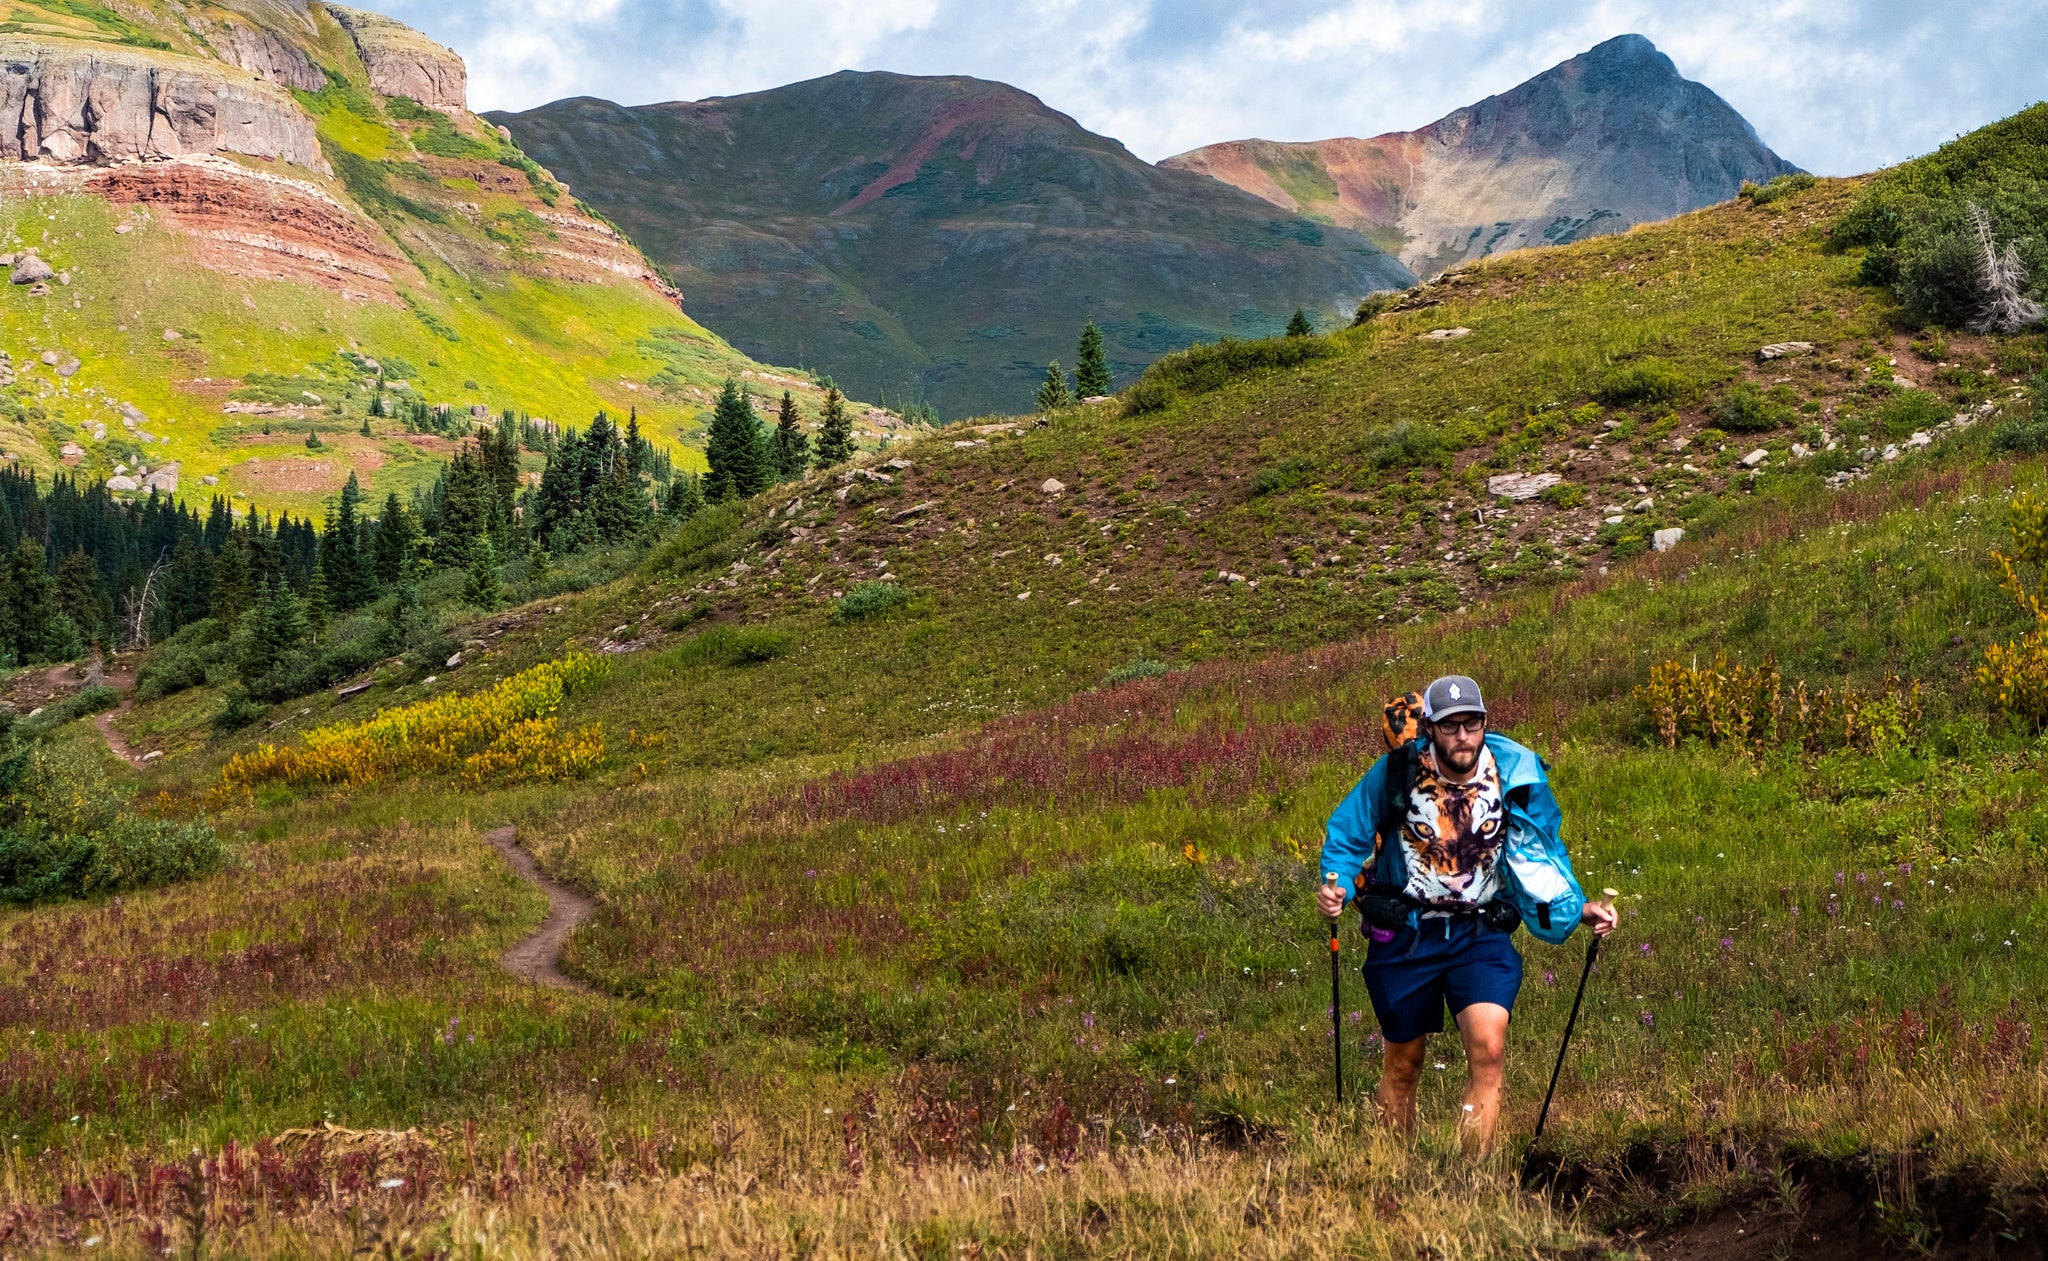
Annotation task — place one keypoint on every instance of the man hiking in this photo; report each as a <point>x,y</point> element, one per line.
<point>1450,841</point>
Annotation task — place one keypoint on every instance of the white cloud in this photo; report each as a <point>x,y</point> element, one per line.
<point>1838,87</point>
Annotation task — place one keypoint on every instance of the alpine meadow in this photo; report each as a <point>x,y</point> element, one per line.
<point>635,801</point>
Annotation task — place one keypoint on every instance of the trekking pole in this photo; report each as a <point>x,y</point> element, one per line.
<point>1564,1044</point>
<point>1336,998</point>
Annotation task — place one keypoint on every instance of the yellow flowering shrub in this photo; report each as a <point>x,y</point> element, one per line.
<point>2015,676</point>
<point>442,734</point>
<point>537,749</point>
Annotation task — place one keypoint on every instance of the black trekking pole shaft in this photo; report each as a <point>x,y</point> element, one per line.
<point>1336,1010</point>
<point>1592,952</point>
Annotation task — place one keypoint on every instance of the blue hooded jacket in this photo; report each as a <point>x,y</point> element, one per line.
<point>1536,873</point>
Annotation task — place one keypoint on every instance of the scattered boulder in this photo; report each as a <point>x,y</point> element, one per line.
<point>1520,486</point>
<point>1052,486</point>
<point>1642,505</point>
<point>1756,458</point>
<point>71,453</point>
<point>69,368</point>
<point>30,270</point>
<point>1778,350</point>
<point>209,480</point>
<point>172,334</point>
<point>122,482</point>
<point>1665,540</point>
<point>49,357</point>
<point>1920,438</point>
<point>456,660</point>
<point>164,480</point>
<point>899,464</point>
<point>915,510</point>
<point>1447,334</point>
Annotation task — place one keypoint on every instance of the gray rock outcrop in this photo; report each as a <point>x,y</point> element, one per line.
<point>264,56</point>
<point>30,270</point>
<point>100,105</point>
<point>403,62</point>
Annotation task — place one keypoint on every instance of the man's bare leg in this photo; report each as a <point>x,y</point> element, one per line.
<point>1400,1070</point>
<point>1484,1028</point>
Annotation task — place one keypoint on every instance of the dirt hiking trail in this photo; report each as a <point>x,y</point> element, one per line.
<point>537,956</point>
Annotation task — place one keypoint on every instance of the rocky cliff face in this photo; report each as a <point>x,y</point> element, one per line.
<point>1613,137</point>
<point>403,62</point>
<point>94,103</point>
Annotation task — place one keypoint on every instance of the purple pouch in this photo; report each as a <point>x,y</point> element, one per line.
<point>1381,935</point>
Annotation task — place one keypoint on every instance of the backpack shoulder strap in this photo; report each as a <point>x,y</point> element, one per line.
<point>1393,804</point>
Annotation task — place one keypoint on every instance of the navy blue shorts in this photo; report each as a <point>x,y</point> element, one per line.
<point>1452,962</point>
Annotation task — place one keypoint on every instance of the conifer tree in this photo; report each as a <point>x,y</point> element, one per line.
<point>835,434</point>
<point>83,598</point>
<point>792,445</point>
<point>276,646</point>
<point>396,534</point>
<point>1052,392</point>
<point>734,448</point>
<point>1299,325</point>
<point>1091,365</point>
<point>350,576</point>
<point>482,590</point>
<point>685,497</point>
<point>318,605</point>
<point>234,587</point>
<point>27,605</point>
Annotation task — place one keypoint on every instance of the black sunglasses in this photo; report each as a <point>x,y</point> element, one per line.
<point>1456,726</point>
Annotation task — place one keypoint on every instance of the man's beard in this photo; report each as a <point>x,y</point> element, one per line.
<point>1456,764</point>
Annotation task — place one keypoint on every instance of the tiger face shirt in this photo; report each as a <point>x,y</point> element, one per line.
<point>1454,832</point>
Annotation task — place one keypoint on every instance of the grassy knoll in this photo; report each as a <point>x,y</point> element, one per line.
<point>916,934</point>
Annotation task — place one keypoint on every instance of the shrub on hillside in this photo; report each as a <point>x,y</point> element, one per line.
<point>866,599</point>
<point>86,700</point>
<point>702,542</point>
<point>2014,676</point>
<point>1746,409</point>
<point>2022,431</point>
<point>65,831</point>
<point>1376,305</point>
<point>1645,381</point>
<point>734,646</point>
<point>1753,710</point>
<point>1286,475</point>
<point>433,735</point>
<point>1144,669</point>
<point>1781,186</point>
<point>1403,445</point>
<point>1910,411</point>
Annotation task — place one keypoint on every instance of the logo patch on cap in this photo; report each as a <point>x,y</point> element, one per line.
<point>1456,694</point>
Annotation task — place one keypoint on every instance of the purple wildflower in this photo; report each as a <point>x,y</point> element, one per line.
<point>1354,1017</point>
<point>1649,1020</point>
<point>1088,1020</point>
<point>1795,910</point>
<point>1200,1035</point>
<point>1834,908</point>
<point>1861,878</point>
<point>1644,950</point>
<point>1727,943</point>
<point>1549,977</point>
<point>1372,1041</point>
<point>1838,877</point>
<point>1897,905</point>
<point>812,874</point>
<point>1699,919</point>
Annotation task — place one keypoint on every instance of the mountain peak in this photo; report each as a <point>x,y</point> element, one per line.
<point>1610,138</point>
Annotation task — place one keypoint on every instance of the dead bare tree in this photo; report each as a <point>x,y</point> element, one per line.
<point>2007,308</point>
<point>140,607</point>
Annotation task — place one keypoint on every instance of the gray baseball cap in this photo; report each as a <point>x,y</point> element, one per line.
<point>1452,694</point>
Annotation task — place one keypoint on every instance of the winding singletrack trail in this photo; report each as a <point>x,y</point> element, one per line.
<point>537,956</point>
<point>124,682</point>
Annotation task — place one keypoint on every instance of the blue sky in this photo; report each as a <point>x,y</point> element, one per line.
<point>1835,87</point>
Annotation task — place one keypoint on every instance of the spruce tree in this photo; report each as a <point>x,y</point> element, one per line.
<point>835,434</point>
<point>350,576</point>
<point>482,590</point>
<point>1299,325</point>
<point>234,588</point>
<point>792,445</point>
<point>28,606</point>
<point>1091,366</point>
<point>396,533</point>
<point>277,640</point>
<point>83,598</point>
<point>1052,392</point>
<point>685,497</point>
<point>734,448</point>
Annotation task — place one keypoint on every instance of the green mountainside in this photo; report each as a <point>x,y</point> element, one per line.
<point>318,225</point>
<point>947,824</point>
<point>940,239</point>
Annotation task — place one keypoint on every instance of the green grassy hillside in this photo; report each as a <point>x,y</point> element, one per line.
<point>240,303</point>
<point>978,923</point>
